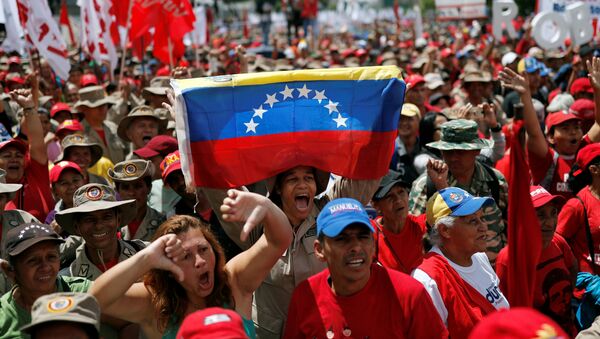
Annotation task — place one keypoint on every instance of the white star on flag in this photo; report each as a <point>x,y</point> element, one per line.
<point>320,96</point>
<point>287,93</point>
<point>271,100</point>
<point>340,121</point>
<point>303,91</point>
<point>251,126</point>
<point>258,112</point>
<point>332,106</point>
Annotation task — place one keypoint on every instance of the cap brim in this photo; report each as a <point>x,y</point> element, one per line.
<point>145,153</point>
<point>383,191</point>
<point>337,226</point>
<point>559,200</point>
<point>67,317</point>
<point>471,206</point>
<point>23,246</point>
<point>65,218</point>
<point>156,90</point>
<point>472,145</point>
<point>93,104</point>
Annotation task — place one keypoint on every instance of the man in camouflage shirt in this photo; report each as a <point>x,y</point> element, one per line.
<point>460,145</point>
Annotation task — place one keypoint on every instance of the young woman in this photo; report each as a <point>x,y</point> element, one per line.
<point>184,269</point>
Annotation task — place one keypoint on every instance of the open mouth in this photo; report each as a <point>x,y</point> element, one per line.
<point>98,236</point>
<point>13,167</point>
<point>355,263</point>
<point>204,281</point>
<point>146,138</point>
<point>44,278</point>
<point>301,201</point>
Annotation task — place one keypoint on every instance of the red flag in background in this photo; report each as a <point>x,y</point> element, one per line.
<point>64,20</point>
<point>245,20</point>
<point>120,9</point>
<point>524,230</point>
<point>171,20</point>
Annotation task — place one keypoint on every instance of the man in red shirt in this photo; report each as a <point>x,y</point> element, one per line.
<point>556,269</point>
<point>354,297</point>
<point>28,164</point>
<point>398,234</point>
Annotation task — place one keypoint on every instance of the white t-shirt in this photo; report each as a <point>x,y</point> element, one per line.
<point>480,275</point>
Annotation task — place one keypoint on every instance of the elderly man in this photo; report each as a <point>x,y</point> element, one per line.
<point>353,294</point>
<point>460,145</point>
<point>93,103</point>
<point>458,277</point>
<point>139,127</point>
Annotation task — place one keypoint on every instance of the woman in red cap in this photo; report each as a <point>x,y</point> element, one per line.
<point>556,268</point>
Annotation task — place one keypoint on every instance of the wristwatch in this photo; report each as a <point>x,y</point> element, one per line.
<point>496,129</point>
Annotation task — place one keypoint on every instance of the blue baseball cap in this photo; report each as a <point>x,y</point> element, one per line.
<point>339,214</point>
<point>529,65</point>
<point>455,202</point>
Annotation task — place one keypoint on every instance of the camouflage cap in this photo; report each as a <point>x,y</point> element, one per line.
<point>92,96</point>
<point>460,134</point>
<point>95,197</point>
<point>10,189</point>
<point>78,140</point>
<point>81,308</point>
<point>131,170</point>
<point>158,86</point>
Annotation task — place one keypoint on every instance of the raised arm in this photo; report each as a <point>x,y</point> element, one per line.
<point>594,75</point>
<point>536,142</point>
<point>117,290</point>
<point>248,269</point>
<point>31,122</point>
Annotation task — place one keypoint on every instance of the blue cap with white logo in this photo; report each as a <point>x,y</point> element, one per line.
<point>339,214</point>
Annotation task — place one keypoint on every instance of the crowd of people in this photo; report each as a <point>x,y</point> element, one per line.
<point>101,237</point>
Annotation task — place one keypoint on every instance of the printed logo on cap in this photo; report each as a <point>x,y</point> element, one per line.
<point>538,191</point>
<point>171,159</point>
<point>455,198</point>
<point>130,170</point>
<point>216,318</point>
<point>77,138</point>
<point>344,208</point>
<point>60,305</point>
<point>93,193</point>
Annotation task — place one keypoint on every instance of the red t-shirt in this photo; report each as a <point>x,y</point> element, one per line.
<point>101,134</point>
<point>571,225</point>
<point>35,196</point>
<point>540,166</point>
<point>554,284</point>
<point>407,245</point>
<point>391,305</point>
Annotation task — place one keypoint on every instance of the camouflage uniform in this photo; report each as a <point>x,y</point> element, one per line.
<point>462,135</point>
<point>147,228</point>
<point>83,266</point>
<point>11,219</point>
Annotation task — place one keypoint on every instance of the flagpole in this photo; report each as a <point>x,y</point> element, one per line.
<point>170,46</point>
<point>124,46</point>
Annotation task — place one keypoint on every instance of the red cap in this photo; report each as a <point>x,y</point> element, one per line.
<point>69,125</point>
<point>16,79</point>
<point>20,145</point>
<point>212,323</point>
<point>14,60</point>
<point>88,80</point>
<point>581,85</point>
<point>558,118</point>
<point>163,71</point>
<point>446,52</point>
<point>540,197</point>
<point>360,52</point>
<point>171,163</point>
<point>413,80</point>
<point>347,52</point>
<point>517,323</point>
<point>585,156</point>
<point>159,145</point>
<point>583,108</point>
<point>59,107</point>
<point>60,167</point>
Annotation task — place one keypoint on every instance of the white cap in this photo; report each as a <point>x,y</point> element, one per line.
<point>509,58</point>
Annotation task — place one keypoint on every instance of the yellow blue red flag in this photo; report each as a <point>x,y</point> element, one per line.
<point>239,129</point>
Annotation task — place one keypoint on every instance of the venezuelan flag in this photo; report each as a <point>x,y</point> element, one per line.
<point>240,129</point>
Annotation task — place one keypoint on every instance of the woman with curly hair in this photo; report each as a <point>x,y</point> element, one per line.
<point>184,269</point>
